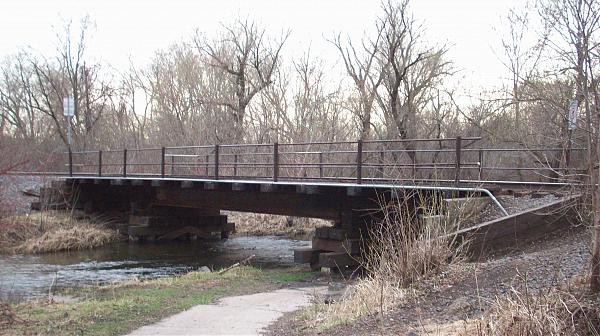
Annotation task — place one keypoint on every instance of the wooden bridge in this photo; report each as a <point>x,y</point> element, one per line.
<point>345,182</point>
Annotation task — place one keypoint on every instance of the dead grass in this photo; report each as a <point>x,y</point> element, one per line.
<point>7,315</point>
<point>557,311</point>
<point>369,296</point>
<point>252,224</point>
<point>404,248</point>
<point>50,231</point>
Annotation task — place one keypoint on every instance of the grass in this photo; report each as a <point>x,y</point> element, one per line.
<point>121,308</point>
<point>404,249</point>
<point>51,231</point>
<point>570,310</point>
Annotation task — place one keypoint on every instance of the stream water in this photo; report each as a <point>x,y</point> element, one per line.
<point>30,276</point>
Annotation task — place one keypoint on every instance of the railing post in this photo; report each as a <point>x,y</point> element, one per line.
<point>275,161</point>
<point>457,160</point>
<point>216,162</point>
<point>172,165</point>
<point>70,162</point>
<point>99,163</point>
<point>480,164</point>
<point>359,153</point>
<point>382,164</point>
<point>321,165</point>
<point>206,165</point>
<point>235,162</point>
<point>162,162</point>
<point>125,162</point>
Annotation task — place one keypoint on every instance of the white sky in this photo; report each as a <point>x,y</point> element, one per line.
<point>136,29</point>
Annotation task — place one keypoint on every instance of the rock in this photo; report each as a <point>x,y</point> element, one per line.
<point>335,292</point>
<point>459,305</point>
<point>204,269</point>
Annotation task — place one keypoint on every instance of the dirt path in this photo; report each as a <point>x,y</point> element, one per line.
<point>236,315</point>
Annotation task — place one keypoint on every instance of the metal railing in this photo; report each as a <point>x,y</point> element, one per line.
<point>451,160</point>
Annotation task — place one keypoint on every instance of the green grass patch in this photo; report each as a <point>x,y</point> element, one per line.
<point>118,309</point>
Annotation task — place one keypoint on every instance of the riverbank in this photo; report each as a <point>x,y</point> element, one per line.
<point>53,231</point>
<point>124,307</point>
<point>510,293</point>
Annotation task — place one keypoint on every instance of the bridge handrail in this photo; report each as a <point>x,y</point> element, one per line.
<point>342,160</point>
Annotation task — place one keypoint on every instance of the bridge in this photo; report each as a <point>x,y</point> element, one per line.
<point>345,182</point>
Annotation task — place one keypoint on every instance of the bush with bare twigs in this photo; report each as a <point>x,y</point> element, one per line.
<point>403,248</point>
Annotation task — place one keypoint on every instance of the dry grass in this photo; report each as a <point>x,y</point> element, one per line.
<point>570,311</point>
<point>50,231</point>
<point>369,296</point>
<point>407,247</point>
<point>7,315</point>
<point>252,224</point>
<point>403,250</point>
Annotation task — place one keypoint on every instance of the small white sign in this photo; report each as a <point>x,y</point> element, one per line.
<point>68,106</point>
<point>573,114</point>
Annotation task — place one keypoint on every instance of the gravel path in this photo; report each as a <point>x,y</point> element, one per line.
<point>514,205</point>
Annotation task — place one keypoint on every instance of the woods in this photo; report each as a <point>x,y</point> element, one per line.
<point>238,86</point>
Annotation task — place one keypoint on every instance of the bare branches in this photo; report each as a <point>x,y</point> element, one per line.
<point>248,60</point>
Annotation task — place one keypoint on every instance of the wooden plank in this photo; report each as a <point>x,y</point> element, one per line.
<point>337,260</point>
<point>117,182</point>
<point>171,221</point>
<point>306,255</point>
<point>308,189</point>
<point>352,246</point>
<point>138,182</point>
<point>157,183</point>
<point>211,186</point>
<point>238,186</point>
<point>322,232</point>
<point>143,231</point>
<point>187,184</point>
<point>354,191</point>
<point>267,188</point>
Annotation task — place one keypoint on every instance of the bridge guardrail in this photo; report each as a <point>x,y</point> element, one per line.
<point>451,160</point>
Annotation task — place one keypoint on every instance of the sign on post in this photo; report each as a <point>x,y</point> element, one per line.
<point>573,115</point>
<point>69,112</point>
<point>68,107</point>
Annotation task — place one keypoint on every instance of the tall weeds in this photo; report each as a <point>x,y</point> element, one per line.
<point>50,231</point>
<point>413,240</point>
<point>553,312</point>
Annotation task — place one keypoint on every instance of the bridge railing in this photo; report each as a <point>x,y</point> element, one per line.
<point>451,160</point>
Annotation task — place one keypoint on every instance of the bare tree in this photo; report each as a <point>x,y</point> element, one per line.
<point>520,59</point>
<point>573,38</point>
<point>248,59</point>
<point>366,71</point>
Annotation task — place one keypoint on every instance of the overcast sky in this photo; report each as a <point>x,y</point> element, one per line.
<point>136,29</point>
